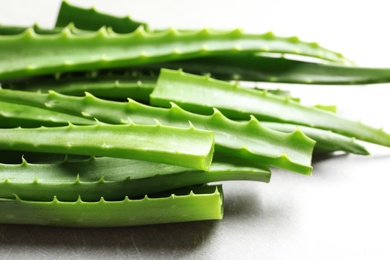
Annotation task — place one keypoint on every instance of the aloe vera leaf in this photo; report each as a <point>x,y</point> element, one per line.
<point>90,19</point>
<point>30,54</point>
<point>179,146</point>
<point>242,139</point>
<point>325,140</point>
<point>281,70</point>
<point>16,115</point>
<point>136,85</point>
<point>261,68</point>
<point>112,178</point>
<point>113,84</point>
<point>200,203</point>
<point>270,69</point>
<point>200,94</point>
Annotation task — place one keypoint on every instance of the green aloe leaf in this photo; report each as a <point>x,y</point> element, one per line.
<point>276,69</point>
<point>201,203</point>
<point>179,146</point>
<point>29,53</point>
<point>202,94</point>
<point>113,178</point>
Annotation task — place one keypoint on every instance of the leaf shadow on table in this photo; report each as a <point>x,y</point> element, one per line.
<point>131,241</point>
<point>247,205</point>
<point>327,156</point>
<point>152,241</point>
<point>239,204</point>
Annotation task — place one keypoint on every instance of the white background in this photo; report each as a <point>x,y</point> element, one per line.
<point>340,212</point>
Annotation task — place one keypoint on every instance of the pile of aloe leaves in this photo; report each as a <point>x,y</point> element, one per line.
<point>105,122</point>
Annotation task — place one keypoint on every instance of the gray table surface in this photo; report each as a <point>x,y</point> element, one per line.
<point>342,211</point>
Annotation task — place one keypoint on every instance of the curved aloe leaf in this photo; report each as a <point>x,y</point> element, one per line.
<point>203,203</point>
<point>179,146</point>
<point>325,140</point>
<point>243,139</point>
<point>275,69</point>
<point>30,54</point>
<point>112,178</point>
<point>201,94</point>
<point>271,69</point>
<point>268,69</point>
<point>90,19</point>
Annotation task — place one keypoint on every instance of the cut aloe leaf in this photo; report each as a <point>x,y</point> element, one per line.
<point>203,203</point>
<point>179,146</point>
